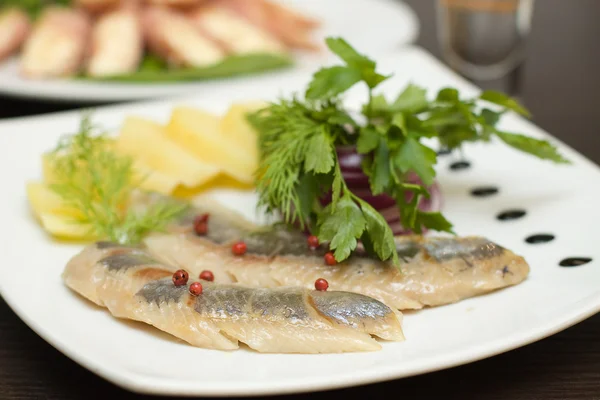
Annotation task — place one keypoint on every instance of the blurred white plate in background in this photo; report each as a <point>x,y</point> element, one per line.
<point>372,26</point>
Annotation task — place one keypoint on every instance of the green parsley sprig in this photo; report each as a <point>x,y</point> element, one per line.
<point>298,140</point>
<point>96,181</point>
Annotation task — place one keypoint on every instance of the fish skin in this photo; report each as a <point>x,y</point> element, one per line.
<point>132,284</point>
<point>434,270</point>
<point>14,28</point>
<point>103,256</point>
<point>342,308</point>
<point>57,45</point>
<point>176,39</point>
<point>117,43</point>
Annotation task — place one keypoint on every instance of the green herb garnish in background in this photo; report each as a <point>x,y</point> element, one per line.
<point>298,140</point>
<point>32,7</point>
<point>98,183</point>
<point>155,70</point>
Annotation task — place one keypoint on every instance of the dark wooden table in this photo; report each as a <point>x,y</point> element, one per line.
<point>561,85</point>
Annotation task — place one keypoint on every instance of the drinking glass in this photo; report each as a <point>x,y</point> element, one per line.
<point>484,39</point>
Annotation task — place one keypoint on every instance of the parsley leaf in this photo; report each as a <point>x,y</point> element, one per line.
<point>414,156</point>
<point>356,61</point>
<point>342,227</point>
<point>536,147</point>
<point>381,237</point>
<point>336,187</point>
<point>368,140</point>
<point>399,121</point>
<point>353,58</point>
<point>503,100</point>
<point>412,99</point>
<point>380,174</point>
<point>377,107</point>
<point>490,117</point>
<point>448,95</point>
<point>329,82</point>
<point>435,221</point>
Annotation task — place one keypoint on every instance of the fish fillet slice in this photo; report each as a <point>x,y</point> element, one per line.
<point>111,275</point>
<point>175,38</point>
<point>56,47</point>
<point>233,32</point>
<point>434,271</point>
<point>14,28</point>
<point>153,305</point>
<point>82,273</point>
<point>117,44</point>
<point>133,285</point>
<point>276,321</point>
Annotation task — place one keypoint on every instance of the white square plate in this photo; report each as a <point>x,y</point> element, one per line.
<point>561,200</point>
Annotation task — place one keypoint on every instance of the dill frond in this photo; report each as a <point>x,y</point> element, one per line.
<point>96,181</point>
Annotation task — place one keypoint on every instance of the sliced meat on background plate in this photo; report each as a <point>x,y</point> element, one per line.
<point>177,39</point>
<point>14,28</point>
<point>234,32</point>
<point>57,44</point>
<point>289,26</point>
<point>117,43</point>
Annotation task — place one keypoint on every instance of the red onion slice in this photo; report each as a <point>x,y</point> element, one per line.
<point>358,183</point>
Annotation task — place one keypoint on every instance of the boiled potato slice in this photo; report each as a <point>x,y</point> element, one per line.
<point>55,217</point>
<point>153,180</point>
<point>64,227</point>
<point>198,132</point>
<point>236,127</point>
<point>44,201</point>
<point>221,182</point>
<point>147,142</point>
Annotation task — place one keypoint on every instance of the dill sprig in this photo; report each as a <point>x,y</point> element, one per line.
<point>98,183</point>
<point>296,146</point>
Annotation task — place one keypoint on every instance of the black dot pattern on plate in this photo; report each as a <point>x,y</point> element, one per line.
<point>460,165</point>
<point>444,152</point>
<point>574,261</point>
<point>540,238</point>
<point>484,191</point>
<point>511,214</point>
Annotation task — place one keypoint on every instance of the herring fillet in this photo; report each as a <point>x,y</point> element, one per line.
<point>132,284</point>
<point>434,271</point>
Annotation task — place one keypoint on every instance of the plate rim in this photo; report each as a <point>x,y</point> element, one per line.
<point>123,378</point>
<point>144,385</point>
